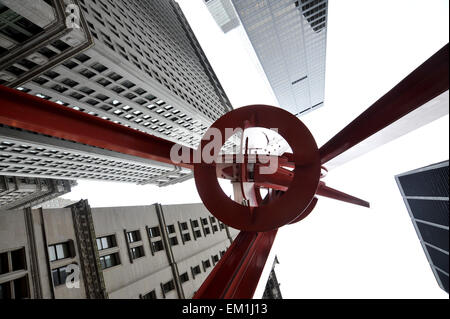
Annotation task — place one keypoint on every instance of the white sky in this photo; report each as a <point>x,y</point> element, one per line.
<point>340,250</point>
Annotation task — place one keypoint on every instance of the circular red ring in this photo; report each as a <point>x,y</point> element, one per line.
<point>301,190</point>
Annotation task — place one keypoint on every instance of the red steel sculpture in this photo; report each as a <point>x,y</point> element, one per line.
<point>292,188</point>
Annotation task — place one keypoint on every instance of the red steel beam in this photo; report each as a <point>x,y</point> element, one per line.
<point>22,110</point>
<point>237,274</point>
<point>329,192</point>
<point>422,85</point>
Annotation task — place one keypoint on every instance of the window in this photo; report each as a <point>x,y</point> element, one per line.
<point>168,286</point>
<point>59,251</point>
<point>204,221</point>
<point>59,276</point>
<point>186,237</point>
<point>109,261</point>
<point>184,226</point>
<point>106,242</point>
<point>198,233</point>
<point>222,252</point>
<point>20,289</point>
<point>215,228</point>
<point>206,264</point>
<point>215,259</point>
<point>137,252</point>
<point>157,246</point>
<point>222,226</point>
<point>133,236</point>
<point>207,231</point>
<point>4,267</point>
<point>195,223</point>
<point>18,261</point>
<point>154,232</point>
<point>184,277</point>
<point>150,295</point>
<point>196,271</point>
<point>170,229</point>
<point>173,241</point>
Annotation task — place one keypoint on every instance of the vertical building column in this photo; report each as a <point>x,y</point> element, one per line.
<point>32,252</point>
<point>170,257</point>
<point>87,247</point>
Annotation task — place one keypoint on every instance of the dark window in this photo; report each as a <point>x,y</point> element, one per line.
<point>4,268</point>
<point>82,57</point>
<point>171,229</point>
<point>128,84</point>
<point>150,295</point>
<point>137,252</point>
<point>168,286</point>
<point>104,82</point>
<point>5,290</point>
<point>99,67</point>
<point>207,231</point>
<point>109,261</point>
<point>51,74</point>
<point>158,246</point>
<point>186,237</point>
<point>198,233</point>
<point>173,241</point>
<point>206,264</point>
<point>196,270</point>
<point>87,90</point>
<point>133,236</point>
<point>18,259</point>
<point>184,226</point>
<point>106,242</point>
<point>60,45</point>
<point>195,223</point>
<point>215,259</point>
<point>204,221</point>
<point>70,64</point>
<point>59,251</point>
<point>87,73</point>
<point>184,277</point>
<point>114,76</point>
<point>215,228</point>
<point>40,80</point>
<point>59,276</point>
<point>154,232</point>
<point>70,82</point>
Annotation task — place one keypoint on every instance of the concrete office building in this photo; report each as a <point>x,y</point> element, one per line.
<point>224,14</point>
<point>147,252</point>
<point>289,38</point>
<point>145,70</point>
<point>425,192</point>
<point>20,192</point>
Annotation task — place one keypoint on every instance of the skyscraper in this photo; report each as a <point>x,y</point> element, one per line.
<point>147,252</point>
<point>145,70</point>
<point>223,13</point>
<point>20,192</point>
<point>289,38</point>
<point>425,192</point>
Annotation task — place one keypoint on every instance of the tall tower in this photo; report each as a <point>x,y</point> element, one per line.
<point>425,193</point>
<point>289,38</point>
<point>145,69</point>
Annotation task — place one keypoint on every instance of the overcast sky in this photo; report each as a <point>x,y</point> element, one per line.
<point>340,250</point>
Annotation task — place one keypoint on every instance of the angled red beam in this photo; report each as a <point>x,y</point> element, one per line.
<point>425,83</point>
<point>237,274</point>
<point>22,110</point>
<point>329,192</point>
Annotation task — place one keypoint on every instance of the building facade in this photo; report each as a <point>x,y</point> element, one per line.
<point>20,192</point>
<point>147,252</point>
<point>223,13</point>
<point>144,69</point>
<point>425,192</point>
<point>272,290</point>
<point>289,38</point>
